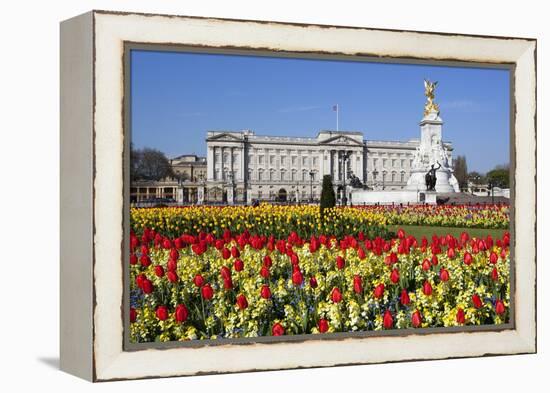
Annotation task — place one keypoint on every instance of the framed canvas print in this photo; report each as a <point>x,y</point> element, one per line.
<point>247,195</point>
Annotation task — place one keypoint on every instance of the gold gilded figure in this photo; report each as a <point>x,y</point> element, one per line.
<point>429,91</point>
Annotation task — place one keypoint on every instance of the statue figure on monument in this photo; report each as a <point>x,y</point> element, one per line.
<point>429,92</point>
<point>431,178</point>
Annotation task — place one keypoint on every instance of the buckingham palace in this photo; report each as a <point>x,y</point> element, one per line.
<point>243,166</point>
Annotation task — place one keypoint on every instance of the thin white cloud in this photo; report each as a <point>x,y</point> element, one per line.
<point>304,108</point>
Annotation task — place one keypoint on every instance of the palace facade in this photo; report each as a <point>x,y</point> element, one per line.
<point>249,166</point>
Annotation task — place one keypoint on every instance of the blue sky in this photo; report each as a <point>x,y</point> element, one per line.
<point>177,97</point>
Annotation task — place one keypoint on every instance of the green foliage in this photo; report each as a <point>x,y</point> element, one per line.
<point>499,177</point>
<point>461,171</point>
<point>328,198</point>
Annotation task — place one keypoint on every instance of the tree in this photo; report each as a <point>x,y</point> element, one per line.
<point>499,176</point>
<point>149,164</point>
<point>461,171</point>
<point>328,198</point>
<point>476,178</point>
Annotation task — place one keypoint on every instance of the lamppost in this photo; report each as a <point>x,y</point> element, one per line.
<point>344,158</point>
<point>311,175</point>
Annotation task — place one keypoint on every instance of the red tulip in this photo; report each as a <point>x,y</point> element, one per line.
<point>172,265</point>
<point>404,298</point>
<point>394,276</point>
<point>267,261</point>
<point>294,259</point>
<point>426,264</point>
<point>451,253</point>
<point>361,253</point>
<point>444,275</point>
<point>207,292</point>
<point>133,259</point>
<point>323,325</point>
<point>297,278</point>
<point>265,292</point>
<point>159,271</point>
<point>147,286</point>
<point>225,272</point>
<point>460,317</point>
<point>172,276</point>
<point>467,258</point>
<point>340,262</point>
<point>227,283</point>
<point>242,303</point>
<point>198,280</point>
<point>181,313</point>
<point>379,291</point>
<point>133,314</point>
<point>435,261</point>
<point>162,313</point>
<point>238,265</point>
<point>313,282</point>
<point>235,252</point>
<point>264,272</point>
<point>416,319</point>
<point>357,284</point>
<point>145,260</point>
<point>476,301</point>
<point>277,329</point>
<point>219,244</point>
<point>226,253</point>
<point>174,254</point>
<point>400,233</point>
<point>427,288</point>
<point>167,244</point>
<point>336,295</point>
<point>493,257</point>
<point>388,320</point>
<point>499,307</point>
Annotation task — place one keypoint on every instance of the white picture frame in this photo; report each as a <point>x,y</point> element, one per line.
<point>92,193</point>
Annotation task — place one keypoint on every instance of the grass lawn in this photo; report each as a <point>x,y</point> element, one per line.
<point>419,231</point>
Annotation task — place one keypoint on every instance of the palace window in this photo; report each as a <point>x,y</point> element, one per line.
<point>402,177</point>
<point>314,161</point>
<point>393,177</point>
<point>282,160</point>
<point>393,161</point>
<point>260,159</point>
<point>304,161</point>
<point>271,160</point>
<point>293,160</point>
<point>402,163</point>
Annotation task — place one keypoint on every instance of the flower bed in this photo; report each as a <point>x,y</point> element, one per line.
<point>465,216</point>
<point>233,284</point>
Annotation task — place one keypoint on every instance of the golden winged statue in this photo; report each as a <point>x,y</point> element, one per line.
<point>429,91</point>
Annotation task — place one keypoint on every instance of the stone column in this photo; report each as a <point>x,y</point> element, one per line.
<point>210,163</point>
<point>243,164</point>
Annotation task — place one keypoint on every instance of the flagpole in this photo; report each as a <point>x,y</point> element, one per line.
<point>337,117</point>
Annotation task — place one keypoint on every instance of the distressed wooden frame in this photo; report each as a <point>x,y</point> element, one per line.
<point>92,193</point>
